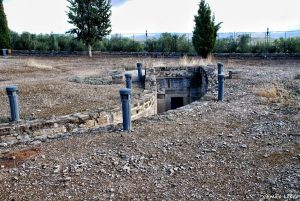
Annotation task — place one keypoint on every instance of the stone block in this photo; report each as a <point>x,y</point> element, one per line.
<point>42,138</point>
<point>72,120</point>
<point>117,79</point>
<point>5,131</point>
<point>102,120</point>
<point>36,125</point>
<point>90,124</point>
<point>117,117</point>
<point>234,75</point>
<point>38,133</point>
<point>8,138</point>
<point>82,117</point>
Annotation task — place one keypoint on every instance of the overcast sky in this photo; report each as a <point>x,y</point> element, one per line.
<point>137,16</point>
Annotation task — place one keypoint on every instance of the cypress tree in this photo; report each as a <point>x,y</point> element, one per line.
<point>91,19</point>
<point>4,31</point>
<point>205,30</point>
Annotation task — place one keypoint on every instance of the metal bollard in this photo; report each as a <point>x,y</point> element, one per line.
<point>128,80</point>
<point>13,103</point>
<point>220,68</point>
<point>140,75</point>
<point>4,52</point>
<point>126,108</point>
<point>221,87</point>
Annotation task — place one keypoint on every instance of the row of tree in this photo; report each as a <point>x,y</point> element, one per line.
<point>91,20</point>
<point>167,42</point>
<point>243,44</point>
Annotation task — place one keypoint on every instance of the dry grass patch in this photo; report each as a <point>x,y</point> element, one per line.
<point>196,61</point>
<point>269,93</point>
<point>183,61</point>
<point>186,61</point>
<point>32,63</point>
<point>274,93</point>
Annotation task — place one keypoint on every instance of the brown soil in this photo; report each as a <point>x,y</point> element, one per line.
<point>13,159</point>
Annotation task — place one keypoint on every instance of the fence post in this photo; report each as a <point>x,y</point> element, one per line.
<point>126,108</point>
<point>221,87</point>
<point>146,43</point>
<point>4,52</point>
<point>220,68</point>
<point>220,82</point>
<point>13,103</point>
<point>128,80</point>
<point>140,75</point>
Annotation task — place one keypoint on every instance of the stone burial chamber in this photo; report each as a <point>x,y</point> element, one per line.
<point>179,86</point>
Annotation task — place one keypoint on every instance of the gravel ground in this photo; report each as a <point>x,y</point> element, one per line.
<point>45,87</point>
<point>245,148</point>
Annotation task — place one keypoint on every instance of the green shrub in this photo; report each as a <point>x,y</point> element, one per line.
<point>76,45</point>
<point>243,43</point>
<point>52,42</point>
<point>290,45</point>
<point>99,46</point>
<point>63,42</point>
<point>92,80</point>
<point>26,43</point>
<point>225,45</point>
<point>97,80</point>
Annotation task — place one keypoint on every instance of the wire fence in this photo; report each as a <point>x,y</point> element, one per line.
<point>289,42</point>
<point>256,42</point>
<point>143,37</point>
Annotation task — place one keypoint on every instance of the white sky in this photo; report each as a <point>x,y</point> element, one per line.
<point>135,16</point>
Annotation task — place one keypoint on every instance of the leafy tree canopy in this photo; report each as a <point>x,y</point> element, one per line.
<point>91,19</point>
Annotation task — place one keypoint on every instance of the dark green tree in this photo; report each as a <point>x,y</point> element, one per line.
<point>15,40</point>
<point>182,44</point>
<point>91,19</point>
<point>243,44</point>
<point>4,31</point>
<point>53,44</point>
<point>166,42</point>
<point>26,41</point>
<point>205,30</point>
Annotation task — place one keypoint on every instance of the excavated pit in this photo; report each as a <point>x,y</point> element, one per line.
<point>179,86</point>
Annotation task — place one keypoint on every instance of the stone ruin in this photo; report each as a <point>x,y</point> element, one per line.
<point>165,88</point>
<point>179,86</point>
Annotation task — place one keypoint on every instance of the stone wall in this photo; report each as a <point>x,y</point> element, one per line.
<point>40,130</point>
<point>157,54</point>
